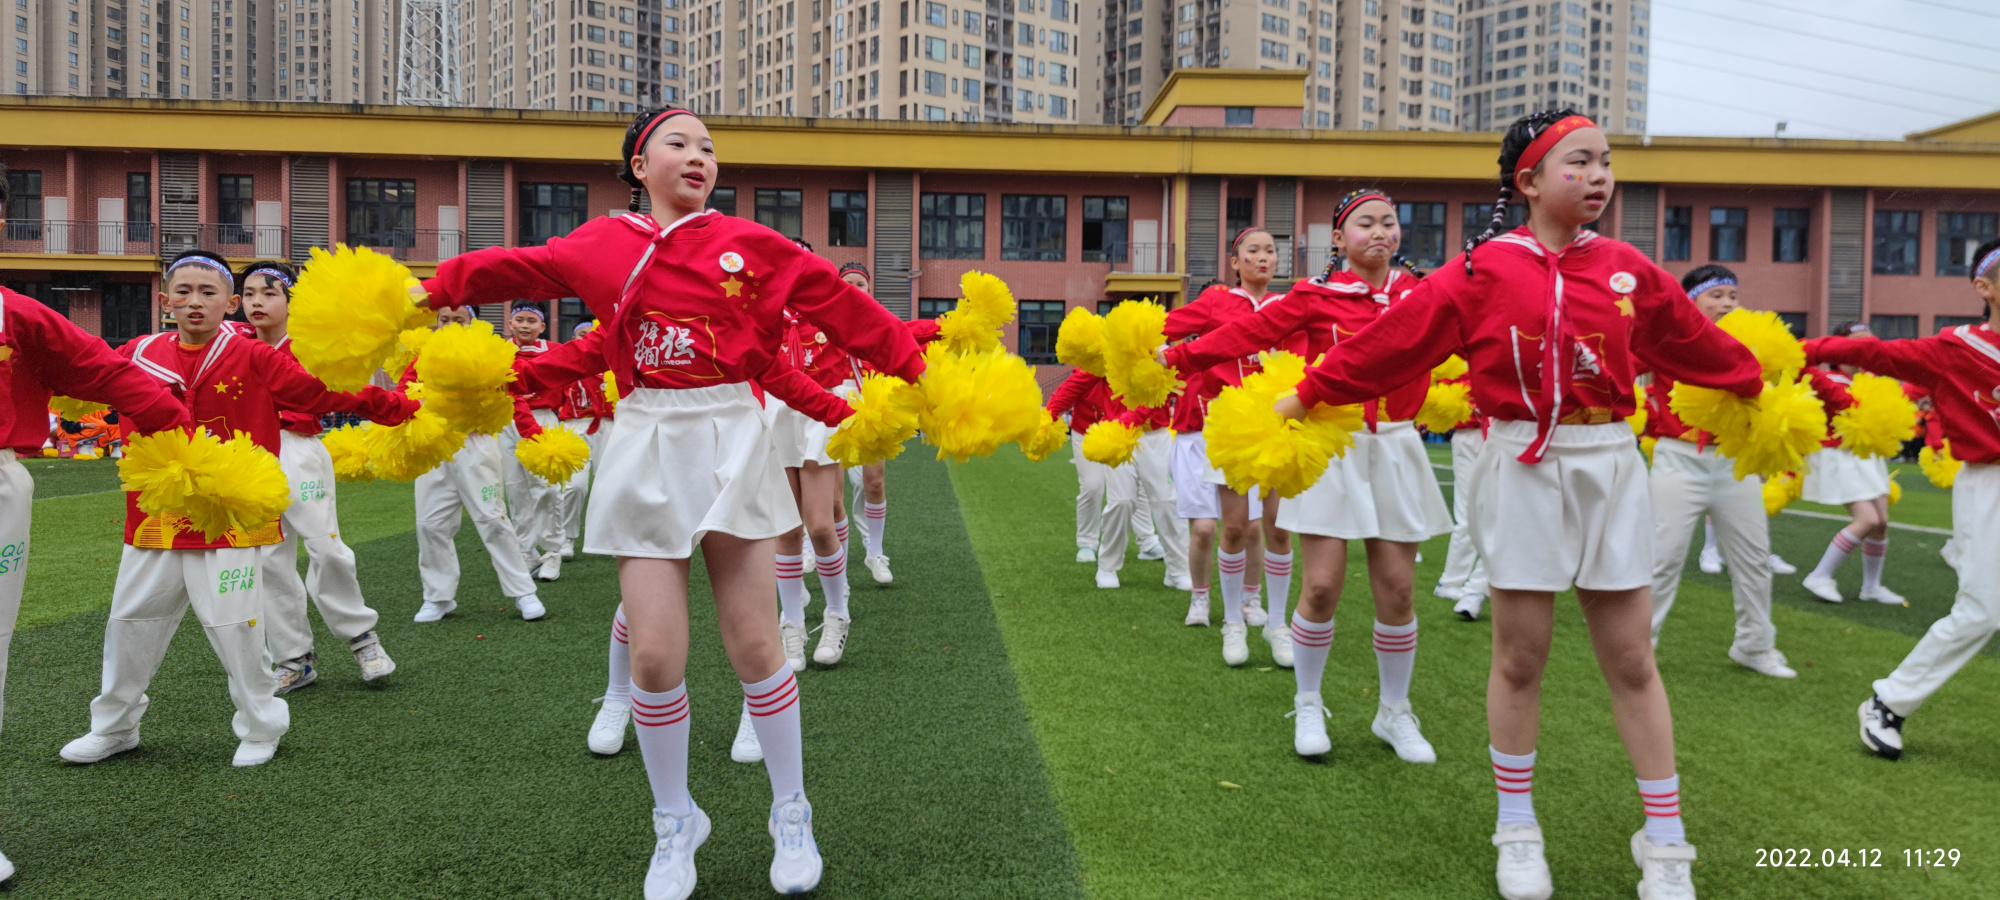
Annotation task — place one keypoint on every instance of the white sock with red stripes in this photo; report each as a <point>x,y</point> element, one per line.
<point>662,721</point>
<point>1311,641</point>
<point>874,516</point>
<point>1395,659</point>
<point>618,688</point>
<point>1836,553</point>
<point>1873,554</point>
<point>1277,585</point>
<point>1229,570</point>
<point>840,534</point>
<point>1514,779</point>
<point>1663,810</point>
<point>774,713</point>
<point>792,588</point>
<point>833,581</point>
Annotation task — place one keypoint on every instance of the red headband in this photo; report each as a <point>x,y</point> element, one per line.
<point>646,132</point>
<point>1238,239</point>
<point>1347,209</point>
<point>1540,146</point>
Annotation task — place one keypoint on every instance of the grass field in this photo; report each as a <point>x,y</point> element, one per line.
<point>1001,728</point>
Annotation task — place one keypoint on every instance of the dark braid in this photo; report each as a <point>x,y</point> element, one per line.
<point>1408,264</point>
<point>1333,263</point>
<point>1334,259</point>
<point>1522,133</point>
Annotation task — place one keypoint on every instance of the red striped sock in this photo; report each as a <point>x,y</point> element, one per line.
<point>1395,660</point>
<point>663,742</point>
<point>772,700</point>
<point>1514,780</point>
<point>774,713</point>
<point>792,588</point>
<point>1662,799</point>
<point>1311,642</point>
<point>618,684</point>
<point>1229,568</point>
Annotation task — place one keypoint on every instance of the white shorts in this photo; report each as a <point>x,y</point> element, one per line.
<point>1837,478</point>
<point>796,437</point>
<point>683,463</point>
<point>1582,517</point>
<point>1383,488</point>
<point>1197,484</point>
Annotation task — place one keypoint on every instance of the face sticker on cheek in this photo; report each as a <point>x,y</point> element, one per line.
<point>1569,176</point>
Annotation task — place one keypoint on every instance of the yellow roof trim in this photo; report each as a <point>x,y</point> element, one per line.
<point>1130,283</point>
<point>1980,129</point>
<point>1227,87</point>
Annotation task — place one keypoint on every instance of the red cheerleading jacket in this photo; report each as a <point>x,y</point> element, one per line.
<point>1960,366</point>
<point>43,354</point>
<point>1212,309</point>
<point>295,422</point>
<point>551,399</point>
<point>1832,389</point>
<point>808,349</point>
<point>1613,309</point>
<point>1087,398</point>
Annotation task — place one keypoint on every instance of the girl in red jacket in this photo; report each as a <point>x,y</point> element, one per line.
<point>1554,321</point>
<point>1839,478</point>
<point>693,317</point>
<point>871,481</point>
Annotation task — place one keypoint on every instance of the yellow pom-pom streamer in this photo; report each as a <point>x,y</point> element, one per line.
<point>1780,490</point>
<point>1880,420</point>
<point>1445,405</point>
<point>347,312</point>
<point>974,326</point>
<point>348,445</point>
<point>1047,439</point>
<point>1778,351</point>
<point>611,387</point>
<point>1111,443</point>
<point>974,403</point>
<point>1256,447</point>
<point>465,370</point>
<point>403,452</point>
<point>219,485</point>
<point>73,409</point>
<point>1080,341</point>
<point>1771,434</point>
<point>555,455</point>
<point>1132,331</point>
<point>1453,367</point>
<point>885,416</point>
<point>1646,445</point>
<point>1939,465</point>
<point>1639,414</point>
<point>408,344</point>
<point>1895,490</point>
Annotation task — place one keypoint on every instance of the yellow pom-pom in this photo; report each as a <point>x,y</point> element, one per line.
<point>885,416</point>
<point>1715,411</point>
<point>611,387</point>
<point>1766,436</point>
<point>974,326</point>
<point>1880,420</point>
<point>347,312</point>
<point>555,455</point>
<point>1895,490</point>
<point>1047,439</point>
<point>1132,331</point>
<point>1778,351</point>
<point>974,403</point>
<point>1646,444</point>
<point>1446,404</point>
<point>348,445</point>
<point>1256,447</point>
<point>73,409</point>
<point>1639,414</point>
<point>1780,490</point>
<point>218,485</point>
<point>1111,443</point>
<point>1939,465</point>
<point>1080,341</point>
<point>408,344</point>
<point>465,370</point>
<point>403,452</point>
<point>1453,367</point>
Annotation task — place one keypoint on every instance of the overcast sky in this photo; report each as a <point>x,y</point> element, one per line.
<point>1830,68</point>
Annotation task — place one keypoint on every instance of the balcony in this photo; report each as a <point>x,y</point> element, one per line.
<point>414,244</point>
<point>1139,269</point>
<point>231,240</point>
<point>77,237</point>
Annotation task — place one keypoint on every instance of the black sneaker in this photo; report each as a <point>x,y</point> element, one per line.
<point>1881,730</point>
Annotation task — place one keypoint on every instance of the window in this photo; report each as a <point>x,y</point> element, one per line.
<point>1104,229</point>
<point>1477,215</point>
<point>953,226</point>
<point>1725,233</point>
<point>936,48</point>
<point>1423,232</point>
<point>723,200</point>
<point>782,210</point>
<point>1679,241</point>
<point>1940,323</point>
<point>553,210</point>
<point>1959,234</point>
<point>127,312</point>
<point>934,14</point>
<point>847,219</point>
<point>381,212</point>
<point>935,307</point>
<point>1236,215</point>
<point>1890,328</point>
<point>1032,226</point>
<point>139,206</point>
<point>1040,319</point>
<point>1239,116</point>
<point>235,208</point>
<point>1896,235</point>
<point>934,84</point>
<point>1790,231</point>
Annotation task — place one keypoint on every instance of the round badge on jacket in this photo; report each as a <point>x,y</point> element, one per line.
<point>1623,282</point>
<point>733,262</point>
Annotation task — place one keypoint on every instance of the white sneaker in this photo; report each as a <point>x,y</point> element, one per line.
<point>94,747</point>
<point>795,862</point>
<point>1152,552</point>
<point>832,639</point>
<point>1780,567</point>
<point>1823,588</point>
<point>607,732</point>
<point>746,748</point>
<point>254,753</point>
<point>1468,606</point>
<point>794,639</point>
<point>6,868</point>
<point>1197,611</point>
<point>1523,870</point>
<point>1881,729</point>
<point>1665,872</point>
<point>294,674</point>
<point>432,611</point>
<point>1309,717</point>
<point>368,653</point>
<point>1235,643</point>
<point>1253,613</point>
<point>1107,580</point>
<point>569,549</point>
<point>531,608</point>
<point>1710,562</point>
<point>1280,639</point>
<point>1447,592</point>
<point>1086,554</point>
<point>551,568</point>
<point>1883,595</point>
<point>670,876</point>
<point>1178,582</point>
<point>878,566</point>
<point>1768,662</point>
<point>1400,728</point>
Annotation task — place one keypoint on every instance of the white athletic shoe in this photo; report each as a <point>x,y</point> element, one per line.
<point>569,549</point>
<point>1469,605</point>
<point>670,876</point>
<point>1768,662</point>
<point>1178,582</point>
<point>1523,870</point>
<point>1448,592</point>
<point>1881,729</point>
<point>6,868</point>
<point>795,862</point>
<point>794,639</point>
<point>878,567</point>
<point>1152,552</point>
<point>294,674</point>
<point>551,568</point>
<point>1107,580</point>
<point>1197,611</point>
<point>1884,596</point>
<point>94,747</point>
<point>1665,872</point>
<point>746,748</point>
<point>607,732</point>
<point>1086,554</point>
<point>254,753</point>
<point>368,653</point>
<point>1309,717</point>
<point>832,639</point>
<point>1253,613</point>
<point>1235,643</point>
<point>1400,728</point>
<point>431,611</point>
<point>1780,567</point>
<point>1710,562</point>
<point>1280,639</point>
<point>531,608</point>
<point>1823,588</point>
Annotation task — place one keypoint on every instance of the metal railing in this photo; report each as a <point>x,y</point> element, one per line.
<point>420,244</point>
<point>1136,259</point>
<point>65,236</point>
<point>85,236</point>
<point>228,239</point>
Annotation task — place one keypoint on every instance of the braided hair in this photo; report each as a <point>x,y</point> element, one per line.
<point>641,123</point>
<point>1344,208</point>
<point>1522,133</point>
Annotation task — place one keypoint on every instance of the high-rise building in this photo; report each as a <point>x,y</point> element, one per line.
<point>1141,45</point>
<point>1589,55</point>
<point>614,56</point>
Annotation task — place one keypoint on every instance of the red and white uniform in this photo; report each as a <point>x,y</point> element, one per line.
<point>586,410</point>
<point>809,350</point>
<point>1834,475</point>
<point>1464,571</point>
<point>1196,482</point>
<point>1108,510</point>
<point>471,483</point>
<point>534,505</point>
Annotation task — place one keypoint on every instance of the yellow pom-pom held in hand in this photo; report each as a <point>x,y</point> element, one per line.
<point>348,445</point>
<point>218,485</point>
<point>72,409</point>
<point>403,452</point>
<point>1132,331</point>
<point>974,403</point>
<point>1780,490</point>
<point>1453,367</point>
<point>1080,341</point>
<point>465,370</point>
<point>1111,443</point>
<point>348,311</point>
<point>1254,446</point>
<point>1778,351</point>
<point>555,455</point>
<point>1445,405</point>
<point>974,325</point>
<point>1770,434</point>
<point>408,345</point>
<point>1895,490</point>
<point>885,416</point>
<point>1880,420</point>
<point>1939,465</point>
<point>1638,417</point>
<point>1047,439</point>
<point>611,387</point>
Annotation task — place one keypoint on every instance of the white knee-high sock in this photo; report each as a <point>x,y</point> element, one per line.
<point>1311,642</point>
<point>1395,659</point>
<point>874,517</point>
<point>833,581</point>
<point>792,588</point>
<point>1662,799</point>
<point>840,534</point>
<point>1277,585</point>
<point>1229,570</point>
<point>1514,779</point>
<point>1836,553</point>
<point>1873,554</point>
<point>618,688</point>
<point>662,721</point>
<point>774,713</point>
<point>1708,545</point>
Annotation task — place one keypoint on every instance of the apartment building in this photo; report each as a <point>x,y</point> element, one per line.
<point>1520,56</point>
<point>584,55</point>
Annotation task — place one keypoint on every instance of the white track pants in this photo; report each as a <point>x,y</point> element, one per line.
<point>569,497</point>
<point>469,481</point>
<point>330,579</point>
<point>1463,569</point>
<point>17,507</point>
<point>1686,486</point>
<point>1121,496</point>
<point>154,590</point>
<point>1090,493</point>
<point>532,503</point>
<point>1956,638</point>
<point>1154,466</point>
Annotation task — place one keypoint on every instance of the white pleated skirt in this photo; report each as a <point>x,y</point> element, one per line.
<point>1382,489</point>
<point>1837,477</point>
<point>798,438</point>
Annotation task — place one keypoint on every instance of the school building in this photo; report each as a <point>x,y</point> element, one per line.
<point>1068,215</point>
